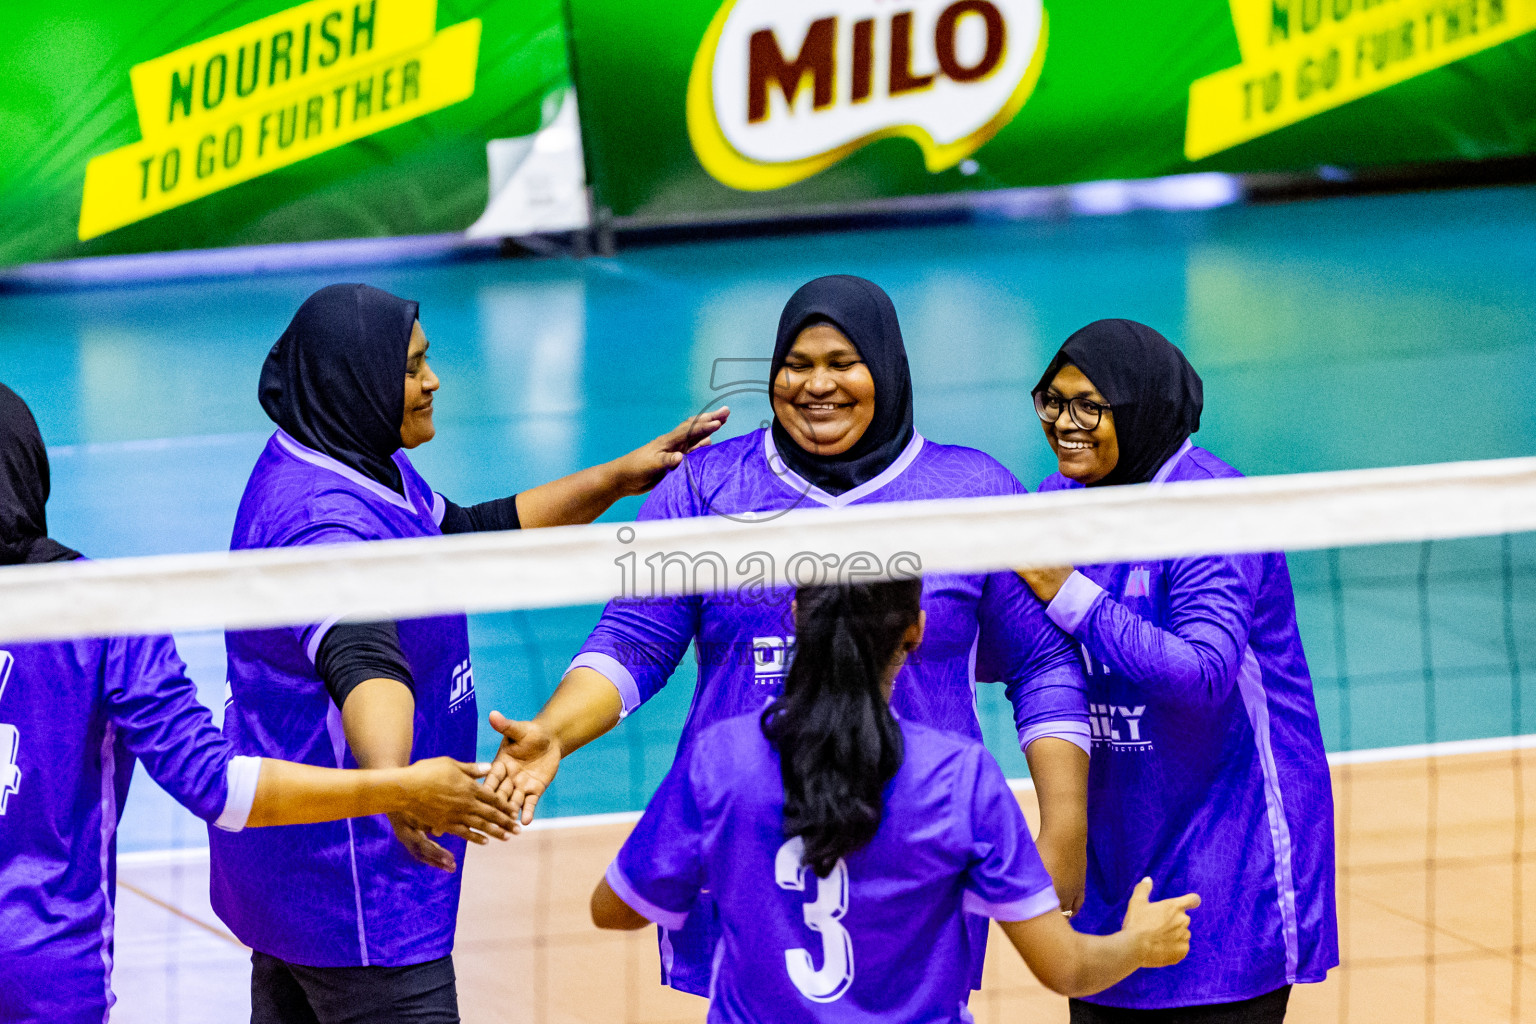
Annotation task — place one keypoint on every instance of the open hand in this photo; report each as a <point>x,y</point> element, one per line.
<point>1162,928</point>
<point>524,767</point>
<point>644,467</point>
<point>443,796</point>
<point>416,841</point>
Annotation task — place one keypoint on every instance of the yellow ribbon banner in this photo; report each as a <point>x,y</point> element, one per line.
<point>1302,57</point>
<point>271,93</point>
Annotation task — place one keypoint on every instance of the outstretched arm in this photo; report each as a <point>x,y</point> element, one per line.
<point>440,792</point>
<point>583,707</point>
<point>1076,965</point>
<point>585,495</point>
<point>156,710</point>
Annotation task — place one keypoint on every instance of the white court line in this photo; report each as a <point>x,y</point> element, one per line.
<point>163,858</point>
<point>1450,748</point>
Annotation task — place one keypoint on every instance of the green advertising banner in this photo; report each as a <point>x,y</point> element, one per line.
<point>702,109</point>
<point>170,125</point>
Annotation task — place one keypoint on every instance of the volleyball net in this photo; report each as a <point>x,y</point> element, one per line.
<point>1416,596</point>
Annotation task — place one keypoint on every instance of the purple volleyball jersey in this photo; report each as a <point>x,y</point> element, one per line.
<point>73,717</point>
<point>980,628</point>
<point>1208,771</point>
<point>346,893</point>
<point>885,935</point>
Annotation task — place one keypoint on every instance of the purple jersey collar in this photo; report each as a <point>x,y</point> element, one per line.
<point>314,458</point>
<point>1166,470</point>
<point>789,478</point>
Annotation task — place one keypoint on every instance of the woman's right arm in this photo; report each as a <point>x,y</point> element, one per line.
<point>439,792</point>
<point>633,651</point>
<point>155,708</point>
<point>659,870</point>
<point>1076,965</point>
<point>628,659</point>
<point>1007,882</point>
<point>583,707</point>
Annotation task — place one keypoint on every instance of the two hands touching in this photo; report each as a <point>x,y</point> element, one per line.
<point>529,757</point>
<point>443,796</point>
<point>524,767</point>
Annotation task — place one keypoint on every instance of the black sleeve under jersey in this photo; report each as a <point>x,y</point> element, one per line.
<point>353,652</point>
<point>357,651</point>
<point>500,514</point>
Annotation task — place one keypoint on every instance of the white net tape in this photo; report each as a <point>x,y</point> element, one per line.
<point>587,564</point>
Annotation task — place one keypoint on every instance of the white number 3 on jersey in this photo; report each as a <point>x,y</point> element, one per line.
<point>821,915</point>
<point>10,741</point>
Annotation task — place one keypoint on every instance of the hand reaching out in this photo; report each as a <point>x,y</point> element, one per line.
<point>524,767</point>
<point>443,795</point>
<point>644,467</point>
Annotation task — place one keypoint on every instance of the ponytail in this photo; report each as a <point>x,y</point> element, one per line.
<point>837,740</point>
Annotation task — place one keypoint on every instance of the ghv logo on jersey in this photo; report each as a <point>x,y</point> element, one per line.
<point>463,685</point>
<point>770,658</point>
<point>1117,726</point>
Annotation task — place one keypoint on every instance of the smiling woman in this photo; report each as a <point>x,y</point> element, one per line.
<point>842,435</point>
<point>420,385</point>
<point>839,349</point>
<point>823,394</point>
<point>349,387</point>
<point>1084,440</point>
<point>1205,730</point>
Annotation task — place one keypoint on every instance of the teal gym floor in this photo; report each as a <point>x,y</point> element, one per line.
<point>1331,334</point>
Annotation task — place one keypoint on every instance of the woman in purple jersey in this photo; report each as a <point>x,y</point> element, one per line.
<point>74,717</point>
<point>842,434</point>
<point>1208,769</point>
<point>355,921</point>
<point>843,847</point>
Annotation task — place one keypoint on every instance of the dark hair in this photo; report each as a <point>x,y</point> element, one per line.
<point>837,740</point>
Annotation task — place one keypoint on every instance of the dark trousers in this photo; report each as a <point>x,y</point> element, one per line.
<point>1266,1009</point>
<point>284,993</point>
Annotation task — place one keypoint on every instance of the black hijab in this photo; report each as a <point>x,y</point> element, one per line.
<point>865,315</point>
<point>1156,394</point>
<point>335,380</point>
<point>24,488</point>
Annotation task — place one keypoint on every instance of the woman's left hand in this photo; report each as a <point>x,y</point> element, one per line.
<point>1046,583</point>
<point>644,467</point>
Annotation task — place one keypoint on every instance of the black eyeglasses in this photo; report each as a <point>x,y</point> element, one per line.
<point>1084,412</point>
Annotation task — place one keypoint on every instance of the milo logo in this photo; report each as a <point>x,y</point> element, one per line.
<point>783,89</point>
